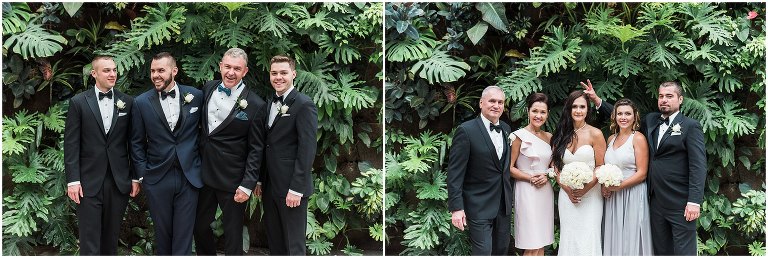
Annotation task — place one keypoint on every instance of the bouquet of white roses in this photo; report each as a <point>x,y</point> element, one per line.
<point>609,175</point>
<point>575,175</point>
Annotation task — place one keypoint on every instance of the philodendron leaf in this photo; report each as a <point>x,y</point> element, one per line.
<point>72,7</point>
<point>477,32</point>
<point>494,14</point>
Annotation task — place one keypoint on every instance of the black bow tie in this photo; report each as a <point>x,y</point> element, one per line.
<point>277,98</point>
<point>495,128</point>
<point>102,95</point>
<point>663,120</point>
<point>164,94</point>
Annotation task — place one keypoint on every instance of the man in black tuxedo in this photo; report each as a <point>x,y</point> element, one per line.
<point>290,151</point>
<point>677,170</point>
<point>231,148</point>
<point>164,140</point>
<point>479,184</point>
<point>99,177</point>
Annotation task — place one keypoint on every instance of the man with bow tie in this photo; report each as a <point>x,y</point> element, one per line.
<point>232,149</point>
<point>480,192</point>
<point>164,150</point>
<point>677,170</point>
<point>99,178</point>
<point>291,143</point>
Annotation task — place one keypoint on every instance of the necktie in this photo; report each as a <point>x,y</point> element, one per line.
<point>164,94</point>
<point>277,98</point>
<point>496,128</point>
<point>107,95</point>
<point>225,90</point>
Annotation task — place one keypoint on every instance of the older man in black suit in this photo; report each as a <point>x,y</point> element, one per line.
<point>479,183</point>
<point>678,168</point>
<point>231,146</point>
<point>96,159</point>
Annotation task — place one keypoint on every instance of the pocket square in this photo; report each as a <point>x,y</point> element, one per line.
<point>241,115</point>
<point>674,134</point>
<point>193,110</point>
<point>284,115</point>
<point>121,114</point>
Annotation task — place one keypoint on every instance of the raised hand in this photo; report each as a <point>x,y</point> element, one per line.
<point>590,91</point>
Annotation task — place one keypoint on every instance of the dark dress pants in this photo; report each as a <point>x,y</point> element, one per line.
<point>99,219</point>
<point>671,233</point>
<point>490,236</point>
<point>172,206</point>
<point>286,227</point>
<point>232,214</point>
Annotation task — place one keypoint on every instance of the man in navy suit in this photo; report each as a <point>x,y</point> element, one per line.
<point>290,150</point>
<point>96,159</point>
<point>480,193</point>
<point>164,140</point>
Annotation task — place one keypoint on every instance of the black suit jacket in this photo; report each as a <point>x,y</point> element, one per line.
<point>291,146</point>
<point>232,153</point>
<point>477,178</point>
<point>88,151</point>
<point>155,148</point>
<point>678,166</point>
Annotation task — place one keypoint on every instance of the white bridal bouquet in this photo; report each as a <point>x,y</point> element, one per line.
<point>609,175</point>
<point>575,175</point>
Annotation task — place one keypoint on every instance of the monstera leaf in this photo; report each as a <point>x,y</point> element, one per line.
<point>35,42</point>
<point>440,67</point>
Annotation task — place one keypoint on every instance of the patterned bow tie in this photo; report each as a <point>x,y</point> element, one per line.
<point>663,120</point>
<point>164,94</point>
<point>277,98</point>
<point>496,128</point>
<point>226,90</point>
<point>102,95</point>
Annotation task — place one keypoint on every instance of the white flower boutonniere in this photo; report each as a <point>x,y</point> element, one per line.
<point>283,109</point>
<point>242,104</point>
<point>188,98</point>
<point>120,104</point>
<point>676,129</point>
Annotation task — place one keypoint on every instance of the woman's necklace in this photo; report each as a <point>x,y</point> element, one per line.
<point>577,130</point>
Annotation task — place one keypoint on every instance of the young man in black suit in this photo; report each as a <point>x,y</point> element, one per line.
<point>678,168</point>
<point>480,192</point>
<point>96,159</point>
<point>232,150</point>
<point>164,140</point>
<point>290,150</point>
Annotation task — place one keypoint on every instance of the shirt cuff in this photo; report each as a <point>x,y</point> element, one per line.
<point>245,190</point>
<point>598,105</point>
<point>135,181</point>
<point>258,183</point>
<point>295,193</point>
<point>73,183</point>
<point>694,204</point>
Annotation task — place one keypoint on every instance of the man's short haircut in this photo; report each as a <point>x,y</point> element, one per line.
<point>237,53</point>
<point>283,59</point>
<point>162,55</point>
<point>678,88</point>
<point>100,57</point>
<point>488,89</point>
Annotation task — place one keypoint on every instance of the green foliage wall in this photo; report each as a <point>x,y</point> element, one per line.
<point>47,48</point>
<point>441,55</point>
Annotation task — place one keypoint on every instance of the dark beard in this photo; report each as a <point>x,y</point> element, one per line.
<point>166,83</point>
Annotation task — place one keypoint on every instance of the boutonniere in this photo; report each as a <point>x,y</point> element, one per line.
<point>120,104</point>
<point>512,137</point>
<point>242,103</point>
<point>676,129</point>
<point>188,98</point>
<point>283,109</point>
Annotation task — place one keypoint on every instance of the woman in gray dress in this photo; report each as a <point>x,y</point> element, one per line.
<point>626,224</point>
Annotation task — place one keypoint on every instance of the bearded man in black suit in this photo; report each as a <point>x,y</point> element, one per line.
<point>232,150</point>
<point>96,159</point>
<point>678,168</point>
<point>480,192</point>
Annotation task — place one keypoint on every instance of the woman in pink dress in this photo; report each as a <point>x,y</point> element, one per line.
<point>534,197</point>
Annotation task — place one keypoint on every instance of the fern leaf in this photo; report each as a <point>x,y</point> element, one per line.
<point>626,63</point>
<point>160,24</point>
<point>202,68</point>
<point>15,17</point>
<point>557,53</point>
<point>494,14</point>
<point>35,42</point>
<point>706,20</point>
<point>440,67</point>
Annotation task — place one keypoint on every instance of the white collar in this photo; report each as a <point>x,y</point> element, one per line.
<point>286,92</point>
<point>672,117</point>
<point>96,89</point>
<point>487,122</point>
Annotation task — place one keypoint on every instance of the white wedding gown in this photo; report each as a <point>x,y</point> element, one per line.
<point>580,224</point>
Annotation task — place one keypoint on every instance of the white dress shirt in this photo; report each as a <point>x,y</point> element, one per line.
<point>171,107</point>
<point>106,108</point>
<point>664,127</point>
<point>275,107</point>
<point>496,137</point>
<point>220,105</point>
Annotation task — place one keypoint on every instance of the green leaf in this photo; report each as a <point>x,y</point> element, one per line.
<point>233,6</point>
<point>342,52</point>
<point>270,22</point>
<point>440,67</point>
<point>477,32</point>
<point>494,14</point>
<point>72,7</point>
<point>626,33</point>
<point>707,20</point>
<point>160,24</point>
<point>557,53</point>
<point>234,34</point>
<point>15,17</point>
<point>409,49</point>
<point>125,55</point>
<point>376,232</point>
<point>35,42</point>
<point>320,20</point>
<point>626,63</point>
<point>202,68</point>
<point>319,246</point>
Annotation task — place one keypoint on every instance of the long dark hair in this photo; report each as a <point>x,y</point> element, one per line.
<point>564,133</point>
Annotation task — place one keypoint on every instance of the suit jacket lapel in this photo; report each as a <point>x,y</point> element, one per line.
<point>652,127</point>
<point>115,112</point>
<point>287,101</point>
<point>488,142</point>
<point>154,99</point>
<point>182,112</point>
<point>90,97</point>
<point>233,112</point>
<point>208,95</point>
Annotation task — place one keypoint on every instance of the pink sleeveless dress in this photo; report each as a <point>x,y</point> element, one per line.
<point>534,207</point>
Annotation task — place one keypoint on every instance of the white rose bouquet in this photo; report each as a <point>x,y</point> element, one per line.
<point>609,175</point>
<point>575,175</point>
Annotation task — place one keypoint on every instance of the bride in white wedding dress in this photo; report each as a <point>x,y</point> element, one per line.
<point>580,210</point>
